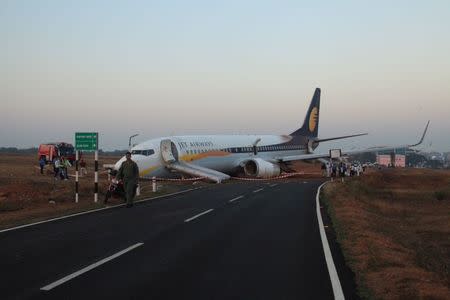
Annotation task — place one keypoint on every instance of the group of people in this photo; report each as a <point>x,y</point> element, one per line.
<point>342,169</point>
<point>60,166</point>
<point>128,173</point>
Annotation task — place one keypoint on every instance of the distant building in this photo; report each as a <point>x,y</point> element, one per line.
<point>387,160</point>
<point>384,160</point>
<point>447,157</point>
<point>400,161</point>
<point>396,158</point>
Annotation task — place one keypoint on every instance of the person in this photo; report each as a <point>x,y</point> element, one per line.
<point>129,173</point>
<point>65,164</point>
<point>83,167</point>
<point>324,169</point>
<point>42,162</point>
<point>57,167</point>
<point>334,170</point>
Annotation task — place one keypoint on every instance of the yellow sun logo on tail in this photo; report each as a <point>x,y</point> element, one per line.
<point>313,119</point>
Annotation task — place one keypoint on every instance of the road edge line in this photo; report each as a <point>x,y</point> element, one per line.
<point>334,277</point>
<point>94,210</point>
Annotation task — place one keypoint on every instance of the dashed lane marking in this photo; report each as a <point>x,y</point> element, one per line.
<point>95,210</point>
<point>199,215</point>
<point>237,198</point>
<point>273,185</point>
<point>88,268</point>
<point>258,190</point>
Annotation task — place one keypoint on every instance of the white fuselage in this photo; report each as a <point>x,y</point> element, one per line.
<point>224,153</point>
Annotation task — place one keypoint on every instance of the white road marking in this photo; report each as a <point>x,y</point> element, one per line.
<point>95,210</point>
<point>335,283</point>
<point>273,185</point>
<point>199,215</point>
<point>259,190</point>
<point>237,198</point>
<point>88,268</point>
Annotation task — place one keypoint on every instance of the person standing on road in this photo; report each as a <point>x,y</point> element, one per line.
<point>129,173</point>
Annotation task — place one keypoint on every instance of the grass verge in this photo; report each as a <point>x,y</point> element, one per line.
<point>394,232</point>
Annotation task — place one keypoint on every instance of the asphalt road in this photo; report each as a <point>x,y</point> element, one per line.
<point>250,240</point>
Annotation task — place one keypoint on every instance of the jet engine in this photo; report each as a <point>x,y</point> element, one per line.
<point>258,167</point>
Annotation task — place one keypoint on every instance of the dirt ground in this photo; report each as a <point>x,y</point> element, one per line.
<point>26,196</point>
<point>394,229</point>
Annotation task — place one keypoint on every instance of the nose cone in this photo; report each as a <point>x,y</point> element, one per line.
<point>119,163</point>
<point>141,161</point>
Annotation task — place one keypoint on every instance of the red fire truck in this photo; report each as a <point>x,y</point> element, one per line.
<point>52,150</point>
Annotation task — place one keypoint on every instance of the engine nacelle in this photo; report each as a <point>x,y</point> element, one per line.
<point>258,167</point>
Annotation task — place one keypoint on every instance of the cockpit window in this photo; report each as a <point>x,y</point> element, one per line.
<point>147,152</point>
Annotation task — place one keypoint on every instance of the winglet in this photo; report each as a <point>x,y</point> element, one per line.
<point>423,135</point>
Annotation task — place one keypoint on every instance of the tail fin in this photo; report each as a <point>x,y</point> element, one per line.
<point>310,126</point>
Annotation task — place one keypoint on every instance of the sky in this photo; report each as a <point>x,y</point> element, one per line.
<point>158,68</point>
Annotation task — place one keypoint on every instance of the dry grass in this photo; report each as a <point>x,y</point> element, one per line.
<point>27,196</point>
<point>395,233</point>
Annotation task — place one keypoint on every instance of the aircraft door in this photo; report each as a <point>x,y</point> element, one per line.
<point>169,151</point>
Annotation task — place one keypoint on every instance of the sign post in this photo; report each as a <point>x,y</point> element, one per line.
<point>87,141</point>
<point>334,153</point>
<point>76,175</point>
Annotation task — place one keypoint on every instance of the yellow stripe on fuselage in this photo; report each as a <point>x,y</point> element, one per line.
<point>192,157</point>
<point>147,171</point>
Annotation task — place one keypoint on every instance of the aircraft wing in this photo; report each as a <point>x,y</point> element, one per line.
<point>302,157</point>
<point>346,153</point>
<point>194,170</point>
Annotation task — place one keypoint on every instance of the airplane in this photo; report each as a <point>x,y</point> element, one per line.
<point>217,157</point>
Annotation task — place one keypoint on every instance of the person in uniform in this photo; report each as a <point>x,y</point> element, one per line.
<point>129,173</point>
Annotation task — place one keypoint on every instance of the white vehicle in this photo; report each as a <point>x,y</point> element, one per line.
<point>216,157</point>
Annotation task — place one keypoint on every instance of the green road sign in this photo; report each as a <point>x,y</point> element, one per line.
<point>86,141</point>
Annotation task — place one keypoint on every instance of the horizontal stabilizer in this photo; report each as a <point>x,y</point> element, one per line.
<point>339,137</point>
<point>346,153</point>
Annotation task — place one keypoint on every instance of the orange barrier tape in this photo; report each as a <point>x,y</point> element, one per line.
<point>271,178</point>
<point>177,179</point>
<point>287,175</point>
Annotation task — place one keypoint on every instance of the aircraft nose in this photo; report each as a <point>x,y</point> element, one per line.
<point>119,163</point>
